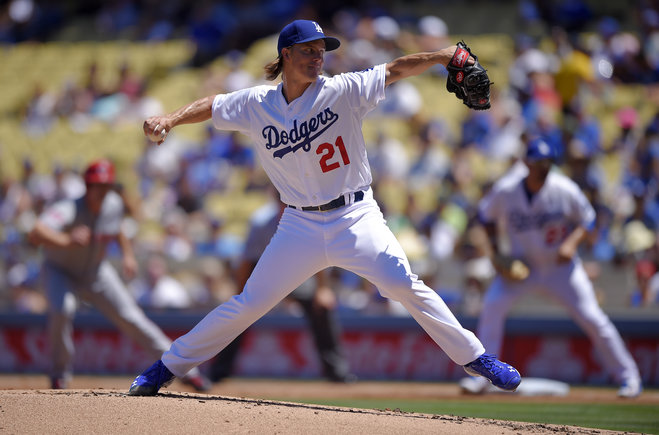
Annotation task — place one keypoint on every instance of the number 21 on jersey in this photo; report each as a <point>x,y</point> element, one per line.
<point>329,161</point>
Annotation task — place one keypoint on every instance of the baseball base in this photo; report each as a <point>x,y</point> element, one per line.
<point>528,387</point>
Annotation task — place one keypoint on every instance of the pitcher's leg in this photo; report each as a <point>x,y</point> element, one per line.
<point>371,250</point>
<point>290,259</point>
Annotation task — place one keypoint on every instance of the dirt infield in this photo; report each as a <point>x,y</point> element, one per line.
<point>100,405</point>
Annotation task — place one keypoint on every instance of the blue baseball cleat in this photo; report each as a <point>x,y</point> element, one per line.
<point>151,380</point>
<point>500,374</point>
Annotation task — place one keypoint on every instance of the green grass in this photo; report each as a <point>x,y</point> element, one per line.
<point>619,417</point>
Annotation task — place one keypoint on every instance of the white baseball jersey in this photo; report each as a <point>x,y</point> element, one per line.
<point>312,149</point>
<point>537,224</point>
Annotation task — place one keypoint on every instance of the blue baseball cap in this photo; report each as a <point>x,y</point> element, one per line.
<point>538,149</point>
<point>300,31</point>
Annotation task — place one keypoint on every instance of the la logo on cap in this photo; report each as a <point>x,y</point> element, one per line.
<point>544,148</point>
<point>318,28</point>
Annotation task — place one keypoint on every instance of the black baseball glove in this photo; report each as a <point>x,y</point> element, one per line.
<point>469,83</point>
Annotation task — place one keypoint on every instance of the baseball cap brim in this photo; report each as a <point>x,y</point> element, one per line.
<point>539,158</point>
<point>331,43</point>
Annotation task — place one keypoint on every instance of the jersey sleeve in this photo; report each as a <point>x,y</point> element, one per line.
<point>230,111</point>
<point>365,89</point>
<point>582,211</point>
<point>489,207</point>
<point>59,215</point>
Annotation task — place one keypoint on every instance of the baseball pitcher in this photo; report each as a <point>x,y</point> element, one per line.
<point>307,131</point>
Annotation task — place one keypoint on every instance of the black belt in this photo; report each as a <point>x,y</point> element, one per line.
<point>335,203</point>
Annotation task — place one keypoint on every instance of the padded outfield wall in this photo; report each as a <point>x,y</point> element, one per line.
<point>382,348</point>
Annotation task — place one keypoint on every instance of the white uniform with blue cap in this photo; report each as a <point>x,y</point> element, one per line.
<point>312,148</point>
<point>314,153</point>
<point>535,225</point>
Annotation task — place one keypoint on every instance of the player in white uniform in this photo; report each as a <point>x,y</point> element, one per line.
<point>307,133</point>
<point>545,216</point>
<point>74,235</point>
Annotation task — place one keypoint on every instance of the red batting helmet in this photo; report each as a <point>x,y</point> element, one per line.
<point>99,172</point>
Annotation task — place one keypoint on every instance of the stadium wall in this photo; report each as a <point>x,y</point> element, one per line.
<point>378,348</point>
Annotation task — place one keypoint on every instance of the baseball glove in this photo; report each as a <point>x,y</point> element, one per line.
<point>469,83</point>
<point>510,268</point>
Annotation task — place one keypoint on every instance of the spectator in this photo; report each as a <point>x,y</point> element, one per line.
<point>575,73</point>
<point>160,290</point>
<point>432,162</point>
<point>39,113</point>
<point>388,158</point>
<point>16,205</point>
<point>220,244</point>
<point>68,184</point>
<point>176,244</point>
<point>646,293</point>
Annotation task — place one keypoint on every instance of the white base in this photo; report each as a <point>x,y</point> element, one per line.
<point>528,387</point>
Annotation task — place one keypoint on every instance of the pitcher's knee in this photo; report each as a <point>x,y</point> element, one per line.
<point>598,327</point>
<point>402,286</point>
<point>594,320</point>
<point>246,308</point>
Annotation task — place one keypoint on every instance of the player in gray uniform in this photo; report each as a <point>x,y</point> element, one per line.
<point>307,132</point>
<point>545,216</point>
<point>314,296</point>
<point>74,235</point>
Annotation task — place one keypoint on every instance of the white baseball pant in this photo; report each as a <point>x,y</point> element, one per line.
<point>569,285</point>
<point>110,296</point>
<point>354,237</point>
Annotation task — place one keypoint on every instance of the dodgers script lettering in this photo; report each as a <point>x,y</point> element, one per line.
<point>300,136</point>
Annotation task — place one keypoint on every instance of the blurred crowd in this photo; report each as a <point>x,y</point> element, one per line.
<point>567,60</point>
<point>82,104</point>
